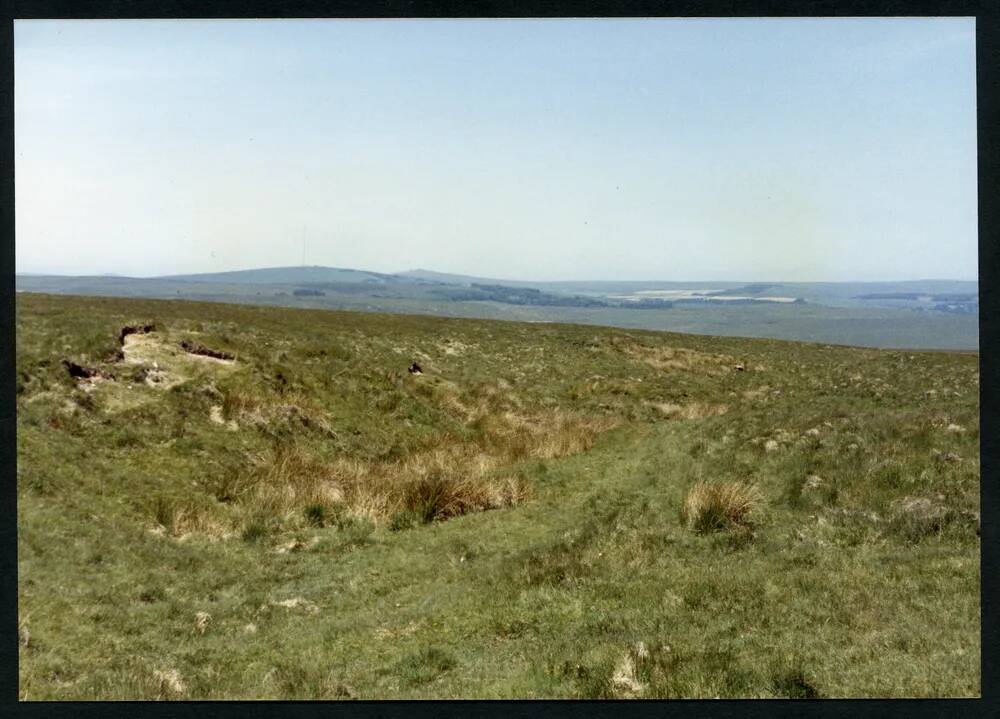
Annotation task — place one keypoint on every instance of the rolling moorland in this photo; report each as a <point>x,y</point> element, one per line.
<point>931,314</point>
<point>229,501</point>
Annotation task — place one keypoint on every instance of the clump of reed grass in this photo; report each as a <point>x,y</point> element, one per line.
<point>720,506</point>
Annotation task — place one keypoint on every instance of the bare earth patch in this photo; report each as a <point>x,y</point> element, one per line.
<point>215,416</point>
<point>153,349</point>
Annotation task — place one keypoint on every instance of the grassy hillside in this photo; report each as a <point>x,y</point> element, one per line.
<point>831,314</point>
<point>542,511</point>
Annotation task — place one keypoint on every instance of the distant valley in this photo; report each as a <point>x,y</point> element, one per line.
<point>930,314</point>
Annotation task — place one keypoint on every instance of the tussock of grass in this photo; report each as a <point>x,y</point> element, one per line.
<point>437,497</point>
<point>289,480</point>
<point>188,521</point>
<point>693,410</point>
<point>438,484</point>
<point>180,518</point>
<point>255,407</point>
<point>289,487</point>
<point>546,436</point>
<point>169,684</point>
<point>424,666</point>
<point>678,358</point>
<point>718,506</point>
<point>916,518</point>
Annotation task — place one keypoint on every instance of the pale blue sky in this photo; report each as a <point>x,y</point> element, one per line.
<point>681,149</point>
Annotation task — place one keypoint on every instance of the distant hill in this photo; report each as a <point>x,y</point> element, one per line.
<point>815,312</point>
<point>287,275</point>
<point>587,286</point>
<point>448,278</point>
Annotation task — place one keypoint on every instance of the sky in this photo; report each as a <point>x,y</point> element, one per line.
<point>645,149</point>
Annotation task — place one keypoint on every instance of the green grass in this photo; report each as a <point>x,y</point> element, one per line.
<point>830,315</point>
<point>509,524</point>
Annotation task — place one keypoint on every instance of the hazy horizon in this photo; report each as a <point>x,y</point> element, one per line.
<point>726,280</point>
<point>826,150</point>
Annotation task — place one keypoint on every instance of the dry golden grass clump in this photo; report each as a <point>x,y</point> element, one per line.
<point>289,484</point>
<point>186,521</point>
<point>446,481</point>
<point>720,506</point>
<point>443,497</point>
<point>545,436</point>
<point>169,684</point>
<point>256,409</point>
<point>680,359</point>
<point>290,479</point>
<point>693,410</point>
